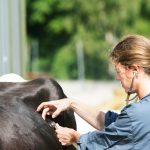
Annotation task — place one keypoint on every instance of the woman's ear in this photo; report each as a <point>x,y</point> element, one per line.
<point>135,68</point>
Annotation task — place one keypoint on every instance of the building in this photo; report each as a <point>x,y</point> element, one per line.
<point>13,49</point>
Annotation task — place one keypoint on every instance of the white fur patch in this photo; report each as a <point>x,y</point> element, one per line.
<point>11,77</point>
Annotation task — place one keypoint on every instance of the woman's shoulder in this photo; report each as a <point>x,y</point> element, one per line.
<point>139,107</point>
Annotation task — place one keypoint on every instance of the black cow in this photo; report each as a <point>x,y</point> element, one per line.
<point>21,127</point>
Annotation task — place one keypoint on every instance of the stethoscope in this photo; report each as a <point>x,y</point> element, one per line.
<point>130,91</point>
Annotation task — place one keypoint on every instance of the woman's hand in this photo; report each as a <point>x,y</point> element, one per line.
<point>54,108</point>
<point>67,136</point>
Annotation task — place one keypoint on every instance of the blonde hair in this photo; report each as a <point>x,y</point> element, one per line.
<point>133,49</point>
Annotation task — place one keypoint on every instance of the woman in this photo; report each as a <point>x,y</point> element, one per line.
<point>130,130</point>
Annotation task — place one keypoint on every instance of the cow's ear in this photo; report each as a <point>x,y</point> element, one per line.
<point>41,89</point>
<point>33,100</point>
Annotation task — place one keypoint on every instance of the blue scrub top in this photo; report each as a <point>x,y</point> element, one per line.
<point>130,130</point>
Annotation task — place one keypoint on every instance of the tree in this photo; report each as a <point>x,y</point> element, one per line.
<point>60,25</point>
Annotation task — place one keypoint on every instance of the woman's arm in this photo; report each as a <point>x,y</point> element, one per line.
<point>90,114</point>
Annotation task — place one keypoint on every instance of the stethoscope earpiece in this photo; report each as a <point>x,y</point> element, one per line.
<point>131,89</point>
<point>134,74</point>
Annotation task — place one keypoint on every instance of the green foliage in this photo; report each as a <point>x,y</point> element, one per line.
<point>64,64</point>
<point>59,25</point>
<point>142,27</point>
<point>41,65</point>
<point>39,10</point>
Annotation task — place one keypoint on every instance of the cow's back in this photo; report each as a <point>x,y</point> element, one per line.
<point>22,128</point>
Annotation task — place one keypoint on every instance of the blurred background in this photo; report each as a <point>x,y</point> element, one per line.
<point>70,40</point>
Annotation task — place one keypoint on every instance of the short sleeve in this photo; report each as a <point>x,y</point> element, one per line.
<point>110,117</point>
<point>115,134</point>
